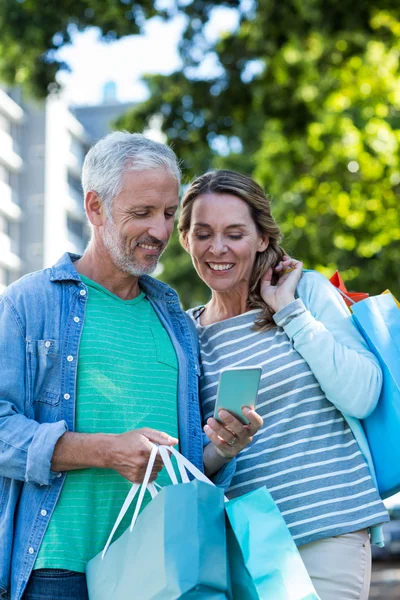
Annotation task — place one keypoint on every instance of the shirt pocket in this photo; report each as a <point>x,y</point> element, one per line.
<point>165,351</point>
<point>44,371</point>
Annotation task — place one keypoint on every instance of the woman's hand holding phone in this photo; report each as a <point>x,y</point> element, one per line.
<point>230,436</point>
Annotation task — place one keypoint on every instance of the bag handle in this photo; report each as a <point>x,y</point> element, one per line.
<point>184,466</point>
<point>345,295</point>
<point>130,497</point>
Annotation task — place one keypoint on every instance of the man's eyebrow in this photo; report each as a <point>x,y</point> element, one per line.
<point>234,225</point>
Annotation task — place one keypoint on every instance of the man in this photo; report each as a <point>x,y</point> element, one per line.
<point>97,362</point>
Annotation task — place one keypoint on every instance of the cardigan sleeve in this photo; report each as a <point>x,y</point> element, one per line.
<point>322,331</point>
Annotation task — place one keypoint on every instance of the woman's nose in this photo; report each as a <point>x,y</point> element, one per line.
<point>218,247</point>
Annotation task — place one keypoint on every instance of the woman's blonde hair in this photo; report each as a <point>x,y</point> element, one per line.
<point>243,187</point>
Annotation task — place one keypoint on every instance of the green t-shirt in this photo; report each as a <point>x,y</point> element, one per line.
<point>127,379</point>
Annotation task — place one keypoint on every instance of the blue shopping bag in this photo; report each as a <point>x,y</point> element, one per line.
<point>176,548</point>
<point>378,319</point>
<point>264,562</point>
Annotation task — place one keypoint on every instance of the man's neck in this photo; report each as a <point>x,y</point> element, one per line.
<point>97,266</point>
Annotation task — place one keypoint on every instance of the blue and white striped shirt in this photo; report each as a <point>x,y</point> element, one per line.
<point>305,452</point>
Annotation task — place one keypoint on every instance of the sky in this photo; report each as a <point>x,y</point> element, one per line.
<point>93,62</point>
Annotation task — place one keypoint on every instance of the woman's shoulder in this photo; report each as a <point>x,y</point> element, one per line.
<point>312,281</point>
<point>317,292</point>
<point>195,312</point>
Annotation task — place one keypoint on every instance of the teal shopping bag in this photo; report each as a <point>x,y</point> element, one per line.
<point>264,562</point>
<point>175,549</point>
<point>378,319</point>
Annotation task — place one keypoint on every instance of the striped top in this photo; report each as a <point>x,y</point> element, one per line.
<point>305,452</point>
<point>127,379</point>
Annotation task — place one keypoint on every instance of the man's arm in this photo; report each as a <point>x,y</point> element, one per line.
<point>34,452</point>
<point>127,453</point>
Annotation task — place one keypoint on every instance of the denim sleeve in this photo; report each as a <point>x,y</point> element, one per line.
<point>26,446</point>
<point>223,477</point>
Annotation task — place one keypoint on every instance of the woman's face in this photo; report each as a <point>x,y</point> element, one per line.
<point>223,241</point>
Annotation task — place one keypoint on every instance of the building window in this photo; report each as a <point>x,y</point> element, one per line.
<point>75,184</point>
<point>77,150</point>
<point>5,124</point>
<point>77,228</point>
<point>6,277</point>
<point>4,174</point>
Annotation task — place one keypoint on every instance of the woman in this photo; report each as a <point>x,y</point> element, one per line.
<point>264,310</point>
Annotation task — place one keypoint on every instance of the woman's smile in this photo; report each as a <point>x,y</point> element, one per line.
<point>220,267</point>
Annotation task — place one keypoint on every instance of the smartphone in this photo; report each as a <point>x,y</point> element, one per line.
<point>237,387</point>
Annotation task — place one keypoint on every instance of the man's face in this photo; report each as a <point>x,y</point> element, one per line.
<point>142,220</point>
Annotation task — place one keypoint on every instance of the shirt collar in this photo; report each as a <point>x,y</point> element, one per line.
<point>64,270</point>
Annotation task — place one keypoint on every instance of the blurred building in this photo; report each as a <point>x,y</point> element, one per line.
<point>42,148</point>
<point>11,164</point>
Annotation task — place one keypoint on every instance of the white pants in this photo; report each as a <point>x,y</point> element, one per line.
<point>340,567</point>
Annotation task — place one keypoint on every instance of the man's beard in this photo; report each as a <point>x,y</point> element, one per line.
<point>126,261</point>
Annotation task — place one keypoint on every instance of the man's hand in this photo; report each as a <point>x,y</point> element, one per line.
<point>131,452</point>
<point>127,453</point>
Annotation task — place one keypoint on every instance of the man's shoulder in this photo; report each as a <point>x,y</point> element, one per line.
<point>28,284</point>
<point>154,287</point>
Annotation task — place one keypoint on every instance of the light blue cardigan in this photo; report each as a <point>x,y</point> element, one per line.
<point>348,373</point>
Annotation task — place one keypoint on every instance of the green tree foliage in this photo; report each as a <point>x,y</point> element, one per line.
<point>305,98</point>
<point>32,31</point>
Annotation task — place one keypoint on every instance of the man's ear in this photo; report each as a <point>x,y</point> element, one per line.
<point>94,209</point>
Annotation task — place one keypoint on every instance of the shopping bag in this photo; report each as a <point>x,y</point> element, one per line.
<point>349,297</point>
<point>264,562</point>
<point>395,299</point>
<point>176,548</point>
<point>378,320</point>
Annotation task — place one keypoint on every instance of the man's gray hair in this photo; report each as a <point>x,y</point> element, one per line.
<point>121,151</point>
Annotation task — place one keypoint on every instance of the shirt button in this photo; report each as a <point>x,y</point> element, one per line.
<point>70,358</point>
<point>67,396</point>
<point>43,513</point>
<point>76,319</point>
<point>31,551</point>
<point>47,344</point>
<point>83,292</point>
<point>59,475</point>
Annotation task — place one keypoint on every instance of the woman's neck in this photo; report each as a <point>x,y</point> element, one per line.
<point>224,305</point>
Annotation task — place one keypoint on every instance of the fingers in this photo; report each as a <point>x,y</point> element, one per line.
<point>256,420</point>
<point>214,427</point>
<point>267,277</point>
<point>231,435</point>
<point>158,437</point>
<point>288,264</point>
<point>222,447</point>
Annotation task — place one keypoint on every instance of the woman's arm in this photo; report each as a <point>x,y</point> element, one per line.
<point>322,331</point>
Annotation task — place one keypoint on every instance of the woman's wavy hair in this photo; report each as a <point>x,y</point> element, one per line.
<point>243,187</point>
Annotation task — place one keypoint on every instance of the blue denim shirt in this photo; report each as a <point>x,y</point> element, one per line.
<point>41,320</point>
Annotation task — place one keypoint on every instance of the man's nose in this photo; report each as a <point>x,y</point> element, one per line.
<point>159,229</point>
